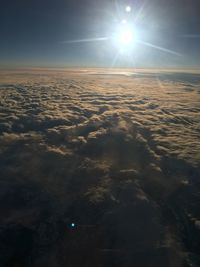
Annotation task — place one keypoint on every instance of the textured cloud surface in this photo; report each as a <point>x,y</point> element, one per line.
<point>115,152</point>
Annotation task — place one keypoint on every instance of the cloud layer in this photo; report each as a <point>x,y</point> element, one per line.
<point>115,152</point>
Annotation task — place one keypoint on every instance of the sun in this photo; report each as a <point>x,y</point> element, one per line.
<point>126,37</point>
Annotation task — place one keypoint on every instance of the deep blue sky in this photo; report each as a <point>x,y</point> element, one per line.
<point>32,32</point>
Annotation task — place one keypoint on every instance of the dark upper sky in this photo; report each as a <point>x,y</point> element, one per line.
<point>33,32</point>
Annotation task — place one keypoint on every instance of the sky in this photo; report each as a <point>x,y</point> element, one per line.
<point>41,33</point>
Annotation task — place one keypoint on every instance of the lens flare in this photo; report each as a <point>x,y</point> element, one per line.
<point>128,9</point>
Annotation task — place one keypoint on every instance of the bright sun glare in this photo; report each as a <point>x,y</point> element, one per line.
<point>126,37</point>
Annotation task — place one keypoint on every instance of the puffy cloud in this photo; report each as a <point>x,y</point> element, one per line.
<point>116,154</point>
